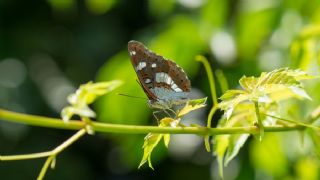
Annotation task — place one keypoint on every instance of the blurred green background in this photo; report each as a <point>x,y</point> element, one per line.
<point>48,48</point>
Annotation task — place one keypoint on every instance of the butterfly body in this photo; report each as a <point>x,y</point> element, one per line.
<point>163,81</point>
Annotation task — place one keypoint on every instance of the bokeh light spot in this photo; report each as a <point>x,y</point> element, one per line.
<point>12,73</point>
<point>223,47</point>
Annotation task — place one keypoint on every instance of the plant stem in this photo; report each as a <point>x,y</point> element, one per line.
<point>25,156</point>
<point>260,124</point>
<point>45,167</point>
<point>58,149</point>
<point>295,122</point>
<point>53,152</point>
<point>222,81</point>
<point>133,129</point>
<point>39,120</point>
<point>210,77</point>
<point>50,154</point>
<point>207,66</point>
<point>210,116</point>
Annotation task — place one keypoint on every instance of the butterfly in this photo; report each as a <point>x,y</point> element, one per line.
<point>163,81</point>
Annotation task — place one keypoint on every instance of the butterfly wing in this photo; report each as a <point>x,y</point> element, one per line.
<point>139,62</point>
<point>161,79</point>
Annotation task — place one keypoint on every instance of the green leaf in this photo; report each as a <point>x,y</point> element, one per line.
<point>248,83</point>
<point>230,105</point>
<point>168,122</point>
<point>152,140</point>
<point>226,147</point>
<point>192,105</point>
<point>221,144</point>
<point>283,76</point>
<point>277,85</point>
<point>267,89</point>
<point>235,144</point>
<point>82,111</point>
<point>166,138</point>
<point>231,94</point>
<point>300,92</point>
<point>85,95</point>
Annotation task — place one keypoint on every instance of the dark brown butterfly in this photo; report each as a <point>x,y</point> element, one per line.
<point>164,82</point>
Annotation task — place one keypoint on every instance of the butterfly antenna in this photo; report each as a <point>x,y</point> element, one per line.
<point>132,96</point>
<point>138,82</point>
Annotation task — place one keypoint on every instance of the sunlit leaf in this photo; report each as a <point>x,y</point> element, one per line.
<point>231,94</point>
<point>240,111</point>
<point>226,147</point>
<point>230,104</point>
<point>276,85</point>
<point>152,140</point>
<point>83,111</point>
<point>248,83</point>
<point>235,144</point>
<point>85,95</point>
<point>221,144</point>
<point>166,139</point>
<point>192,105</point>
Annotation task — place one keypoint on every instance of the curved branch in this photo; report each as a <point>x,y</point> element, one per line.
<point>133,129</point>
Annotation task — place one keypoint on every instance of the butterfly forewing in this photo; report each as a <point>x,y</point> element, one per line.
<point>160,78</point>
<point>138,58</point>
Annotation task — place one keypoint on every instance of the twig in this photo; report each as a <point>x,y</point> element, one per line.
<point>213,94</point>
<point>133,129</point>
<point>50,154</point>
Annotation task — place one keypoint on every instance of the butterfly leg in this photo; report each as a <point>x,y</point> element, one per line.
<point>171,111</point>
<point>155,116</point>
<point>167,113</point>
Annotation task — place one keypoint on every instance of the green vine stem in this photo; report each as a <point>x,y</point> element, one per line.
<point>45,167</point>
<point>133,129</point>
<point>295,122</point>
<point>50,154</point>
<point>57,150</point>
<point>222,80</point>
<point>207,66</point>
<point>260,124</point>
